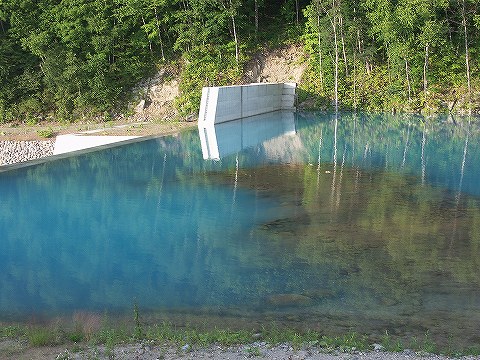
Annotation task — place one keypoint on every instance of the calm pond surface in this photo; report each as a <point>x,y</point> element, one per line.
<point>363,223</point>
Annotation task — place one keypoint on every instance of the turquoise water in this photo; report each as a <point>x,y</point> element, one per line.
<point>362,223</point>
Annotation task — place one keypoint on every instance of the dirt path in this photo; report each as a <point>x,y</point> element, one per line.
<point>34,132</point>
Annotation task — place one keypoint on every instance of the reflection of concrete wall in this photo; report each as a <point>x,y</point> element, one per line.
<point>226,103</point>
<point>219,140</point>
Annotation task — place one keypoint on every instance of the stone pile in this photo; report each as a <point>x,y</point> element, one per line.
<point>12,152</point>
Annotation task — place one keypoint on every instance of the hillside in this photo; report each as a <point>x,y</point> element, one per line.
<point>152,110</point>
<point>84,60</point>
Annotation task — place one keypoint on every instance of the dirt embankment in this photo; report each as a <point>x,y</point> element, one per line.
<point>280,65</point>
<point>153,112</point>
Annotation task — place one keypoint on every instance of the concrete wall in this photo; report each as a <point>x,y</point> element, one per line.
<point>69,143</point>
<point>226,103</point>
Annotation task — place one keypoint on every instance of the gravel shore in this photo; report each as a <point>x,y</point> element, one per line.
<point>12,152</point>
<point>23,143</point>
<point>259,350</point>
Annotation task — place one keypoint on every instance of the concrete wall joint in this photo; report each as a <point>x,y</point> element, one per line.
<point>239,101</point>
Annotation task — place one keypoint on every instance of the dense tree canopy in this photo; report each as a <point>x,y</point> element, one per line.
<point>406,54</point>
<point>75,58</point>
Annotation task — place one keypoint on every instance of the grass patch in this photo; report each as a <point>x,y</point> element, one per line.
<point>38,336</point>
<point>45,133</point>
<point>166,332</point>
<point>11,332</point>
<point>82,334</point>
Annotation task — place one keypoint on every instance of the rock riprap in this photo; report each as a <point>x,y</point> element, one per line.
<point>12,152</point>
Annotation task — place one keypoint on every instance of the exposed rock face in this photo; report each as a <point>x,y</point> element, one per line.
<point>12,152</point>
<point>156,96</point>
<point>280,65</point>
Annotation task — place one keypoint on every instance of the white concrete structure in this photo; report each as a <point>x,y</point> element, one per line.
<point>219,140</point>
<point>226,103</point>
<point>68,143</point>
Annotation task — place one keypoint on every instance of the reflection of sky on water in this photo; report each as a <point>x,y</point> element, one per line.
<point>364,218</point>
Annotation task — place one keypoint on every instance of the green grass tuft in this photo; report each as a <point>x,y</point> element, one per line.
<point>12,332</point>
<point>39,337</point>
<point>45,133</point>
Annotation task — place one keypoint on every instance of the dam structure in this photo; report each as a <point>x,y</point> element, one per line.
<point>226,103</point>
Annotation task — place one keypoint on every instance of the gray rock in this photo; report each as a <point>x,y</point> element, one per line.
<point>140,106</point>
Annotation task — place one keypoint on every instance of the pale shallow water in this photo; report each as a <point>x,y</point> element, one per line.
<point>362,223</point>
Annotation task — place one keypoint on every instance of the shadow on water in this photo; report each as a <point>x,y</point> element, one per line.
<point>367,224</point>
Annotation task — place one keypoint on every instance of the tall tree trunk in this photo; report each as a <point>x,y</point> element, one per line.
<point>320,55</point>
<point>159,33</point>
<point>425,69</point>
<point>229,8</point>
<point>448,26</point>
<point>356,47</point>
<point>189,21</point>
<point>149,41</point>
<point>297,10</point>
<point>389,73</point>
<point>256,16</point>
<point>112,56</point>
<point>354,79</point>
<point>334,27</point>
<point>467,57</point>
<point>340,19</point>
<point>408,80</point>
<point>237,52</point>
<point>368,67</point>
<point>360,52</point>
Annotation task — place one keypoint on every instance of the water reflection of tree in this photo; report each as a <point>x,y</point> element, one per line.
<point>386,241</point>
<point>420,218</point>
<point>389,235</point>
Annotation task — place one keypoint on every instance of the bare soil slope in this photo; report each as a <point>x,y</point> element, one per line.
<point>285,64</point>
<point>153,112</point>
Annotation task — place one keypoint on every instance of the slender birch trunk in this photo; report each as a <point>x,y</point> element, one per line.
<point>234,28</point>
<point>354,79</point>
<point>334,26</point>
<point>297,10</point>
<point>342,37</point>
<point>149,41</point>
<point>237,52</point>
<point>467,57</point>
<point>408,80</point>
<point>320,55</point>
<point>159,33</point>
<point>425,69</point>
<point>256,16</point>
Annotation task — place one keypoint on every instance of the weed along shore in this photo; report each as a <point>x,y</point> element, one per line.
<point>94,336</point>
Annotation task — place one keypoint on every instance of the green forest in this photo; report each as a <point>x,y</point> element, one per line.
<point>73,59</point>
